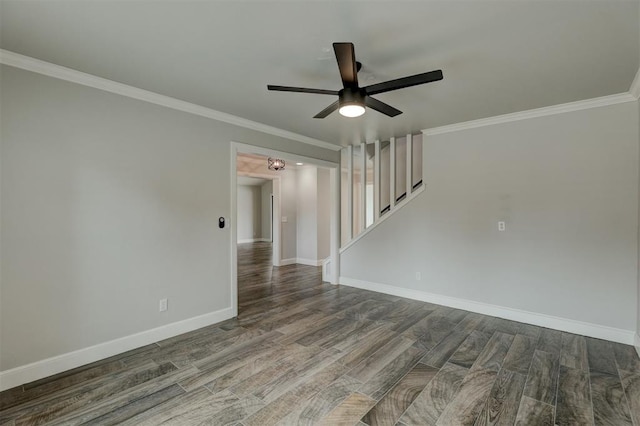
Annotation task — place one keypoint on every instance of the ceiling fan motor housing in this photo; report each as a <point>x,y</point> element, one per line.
<point>352,96</point>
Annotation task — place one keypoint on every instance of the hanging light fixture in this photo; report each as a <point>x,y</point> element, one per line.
<point>351,102</point>
<point>275,164</point>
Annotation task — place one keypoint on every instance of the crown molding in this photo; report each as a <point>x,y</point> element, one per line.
<point>56,71</point>
<point>28,63</point>
<point>534,113</point>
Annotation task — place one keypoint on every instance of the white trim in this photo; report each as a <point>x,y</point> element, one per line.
<point>408,185</point>
<point>288,156</point>
<point>376,181</point>
<point>233,217</point>
<point>327,274</point>
<point>349,231</point>
<point>392,176</point>
<point>254,240</point>
<point>543,320</point>
<point>335,176</point>
<point>637,343</point>
<point>57,364</point>
<point>326,270</point>
<point>634,90</point>
<point>56,71</point>
<point>534,113</point>
<point>303,261</point>
<point>384,217</point>
<point>363,186</point>
<point>310,262</point>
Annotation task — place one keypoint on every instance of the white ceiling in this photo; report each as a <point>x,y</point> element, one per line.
<point>497,56</point>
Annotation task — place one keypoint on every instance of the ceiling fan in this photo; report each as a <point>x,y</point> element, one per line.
<point>352,99</point>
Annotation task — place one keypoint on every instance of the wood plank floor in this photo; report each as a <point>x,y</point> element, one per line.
<point>305,352</point>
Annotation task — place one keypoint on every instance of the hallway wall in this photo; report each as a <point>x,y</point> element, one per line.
<point>266,190</point>
<point>249,213</point>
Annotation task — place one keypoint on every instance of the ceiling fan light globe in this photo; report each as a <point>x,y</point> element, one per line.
<point>351,110</point>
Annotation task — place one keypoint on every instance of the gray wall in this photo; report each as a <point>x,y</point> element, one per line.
<point>307,214</point>
<point>249,212</point>
<point>265,195</point>
<point>345,236</point>
<point>109,204</point>
<point>288,209</point>
<point>324,213</point>
<point>314,213</point>
<point>567,187</point>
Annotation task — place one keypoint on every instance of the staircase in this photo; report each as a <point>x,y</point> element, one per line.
<point>377,179</point>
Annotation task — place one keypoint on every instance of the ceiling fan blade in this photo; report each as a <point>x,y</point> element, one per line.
<point>328,110</point>
<point>381,107</point>
<point>401,83</point>
<point>301,90</point>
<point>346,57</point>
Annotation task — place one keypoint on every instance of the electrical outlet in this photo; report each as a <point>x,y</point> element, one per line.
<point>501,226</point>
<point>164,305</point>
<point>418,276</point>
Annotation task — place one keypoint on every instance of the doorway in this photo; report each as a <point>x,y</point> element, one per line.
<point>257,203</point>
<point>283,219</point>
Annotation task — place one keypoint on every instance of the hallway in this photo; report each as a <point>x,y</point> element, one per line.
<point>258,278</point>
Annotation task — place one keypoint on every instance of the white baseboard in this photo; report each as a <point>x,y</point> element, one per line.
<point>254,240</point>
<point>326,269</point>
<point>637,343</point>
<point>301,261</point>
<point>50,366</point>
<point>542,320</point>
<point>310,262</point>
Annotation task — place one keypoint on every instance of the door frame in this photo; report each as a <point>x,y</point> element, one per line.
<point>333,269</point>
